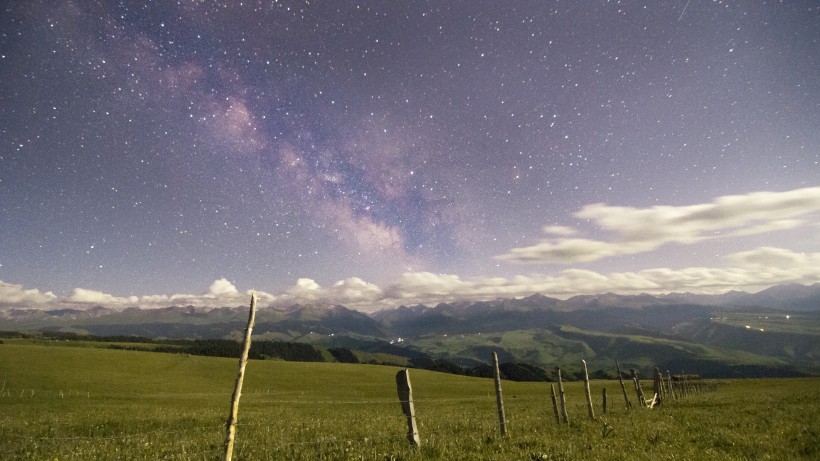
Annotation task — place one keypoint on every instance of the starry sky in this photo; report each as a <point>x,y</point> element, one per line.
<point>379,153</point>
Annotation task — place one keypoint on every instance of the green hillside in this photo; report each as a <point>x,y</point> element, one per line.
<point>565,346</point>
<point>61,401</point>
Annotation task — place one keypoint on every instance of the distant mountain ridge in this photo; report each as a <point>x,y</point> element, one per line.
<point>793,297</point>
<point>775,332</point>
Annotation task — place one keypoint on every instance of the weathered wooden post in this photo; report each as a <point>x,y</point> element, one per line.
<point>638,390</point>
<point>406,399</point>
<point>669,385</point>
<point>623,388</point>
<point>564,415</point>
<point>554,404</point>
<point>590,408</point>
<point>603,399</point>
<point>498,397</point>
<point>657,381</point>
<point>237,391</point>
<point>664,385</point>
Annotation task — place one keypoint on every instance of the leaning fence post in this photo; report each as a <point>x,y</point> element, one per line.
<point>554,404</point>
<point>237,391</point>
<point>564,415</point>
<point>603,399</point>
<point>590,408</point>
<point>406,399</point>
<point>623,388</point>
<point>638,390</point>
<point>498,397</point>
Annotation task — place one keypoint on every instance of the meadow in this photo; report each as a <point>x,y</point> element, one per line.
<point>75,402</point>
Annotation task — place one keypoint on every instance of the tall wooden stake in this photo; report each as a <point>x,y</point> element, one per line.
<point>623,388</point>
<point>237,391</point>
<point>590,408</point>
<point>564,415</point>
<point>554,404</point>
<point>658,386</point>
<point>498,397</point>
<point>638,390</point>
<point>406,399</point>
<point>603,399</point>
<point>669,384</point>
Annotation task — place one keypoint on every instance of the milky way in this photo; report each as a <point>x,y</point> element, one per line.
<point>380,153</point>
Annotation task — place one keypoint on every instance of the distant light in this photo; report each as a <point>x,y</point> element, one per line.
<point>748,327</point>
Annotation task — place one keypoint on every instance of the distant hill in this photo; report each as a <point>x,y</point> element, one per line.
<point>775,332</point>
<point>790,297</point>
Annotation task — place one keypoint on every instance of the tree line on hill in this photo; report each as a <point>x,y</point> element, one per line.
<point>295,352</point>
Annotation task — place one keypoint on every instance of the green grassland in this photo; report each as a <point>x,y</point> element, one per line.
<point>85,403</point>
<point>801,323</point>
<point>567,345</point>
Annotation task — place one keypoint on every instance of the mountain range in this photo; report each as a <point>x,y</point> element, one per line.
<point>775,332</point>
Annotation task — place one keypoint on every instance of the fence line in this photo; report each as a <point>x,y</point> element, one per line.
<point>686,388</point>
<point>397,416</point>
<point>429,430</point>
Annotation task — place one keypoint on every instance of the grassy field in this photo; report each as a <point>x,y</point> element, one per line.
<point>81,403</point>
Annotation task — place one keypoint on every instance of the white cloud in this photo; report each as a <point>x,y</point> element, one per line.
<point>354,290</point>
<point>306,291</point>
<point>222,287</point>
<point>86,296</point>
<point>748,270</point>
<point>13,295</point>
<point>638,230</point>
<point>751,270</point>
<point>221,293</point>
<point>574,250</point>
<point>350,292</point>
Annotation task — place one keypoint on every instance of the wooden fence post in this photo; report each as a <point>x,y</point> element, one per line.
<point>623,388</point>
<point>406,399</point>
<point>658,386</point>
<point>564,415</point>
<point>603,399</point>
<point>669,385</point>
<point>638,390</point>
<point>554,404</point>
<point>498,397</point>
<point>590,408</point>
<point>237,391</point>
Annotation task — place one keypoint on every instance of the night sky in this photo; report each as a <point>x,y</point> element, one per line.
<point>379,153</point>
